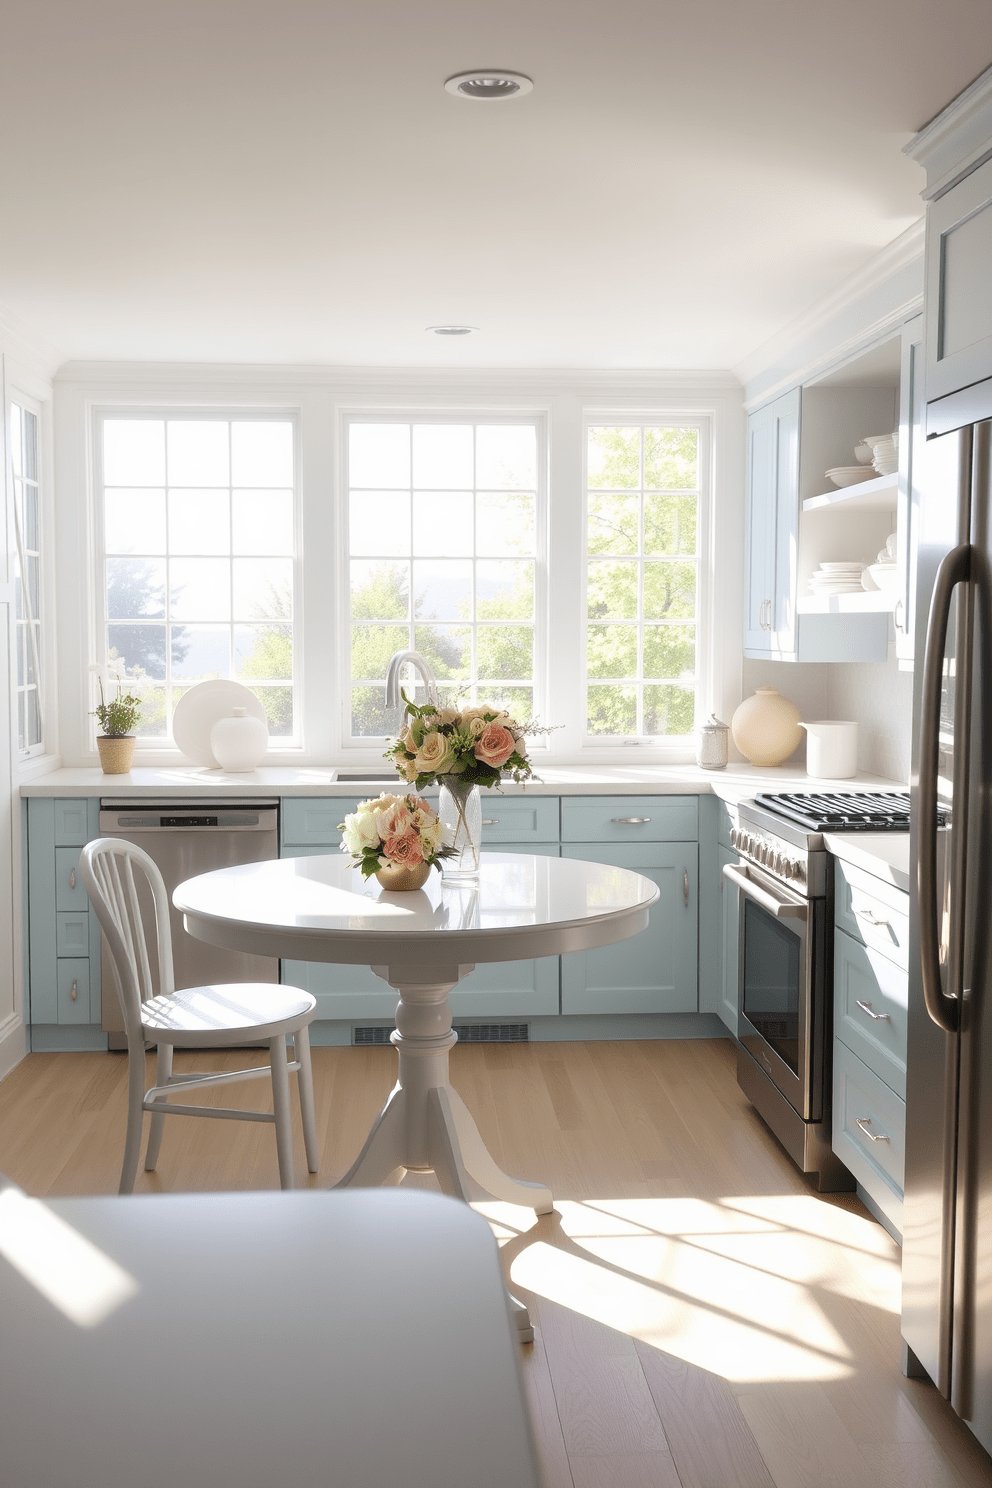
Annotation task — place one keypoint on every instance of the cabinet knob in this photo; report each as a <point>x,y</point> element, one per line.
<point>74,991</point>
<point>490,821</point>
<point>72,878</point>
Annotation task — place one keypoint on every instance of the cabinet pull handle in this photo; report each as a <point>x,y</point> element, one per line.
<point>866,1007</point>
<point>685,887</point>
<point>629,821</point>
<point>899,605</point>
<point>73,991</point>
<point>490,821</point>
<point>72,878</point>
<point>864,1122</point>
<point>866,914</point>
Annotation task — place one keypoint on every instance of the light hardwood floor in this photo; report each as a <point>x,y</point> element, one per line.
<point>704,1318</point>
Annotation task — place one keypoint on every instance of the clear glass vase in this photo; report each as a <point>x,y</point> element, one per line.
<point>460,813</point>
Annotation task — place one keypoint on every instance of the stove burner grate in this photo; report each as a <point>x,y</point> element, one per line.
<point>841,811</point>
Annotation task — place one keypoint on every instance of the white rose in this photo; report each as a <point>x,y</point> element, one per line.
<point>434,755</point>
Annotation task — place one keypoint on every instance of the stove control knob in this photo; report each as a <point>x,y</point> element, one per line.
<point>735,837</point>
<point>778,862</point>
<point>800,873</point>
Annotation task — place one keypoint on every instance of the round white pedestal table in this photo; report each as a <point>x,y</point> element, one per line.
<point>422,944</point>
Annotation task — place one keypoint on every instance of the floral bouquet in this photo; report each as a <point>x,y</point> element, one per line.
<point>393,832</point>
<point>477,744</point>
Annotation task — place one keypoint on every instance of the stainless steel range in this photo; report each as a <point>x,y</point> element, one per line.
<point>785,961</point>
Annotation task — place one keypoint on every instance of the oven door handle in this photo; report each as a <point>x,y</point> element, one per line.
<point>782,909</point>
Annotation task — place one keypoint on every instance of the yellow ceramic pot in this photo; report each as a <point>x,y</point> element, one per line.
<point>398,879</point>
<point>766,727</point>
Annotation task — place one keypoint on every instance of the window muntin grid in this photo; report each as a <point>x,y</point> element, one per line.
<point>643,501</point>
<point>26,567</point>
<point>443,524</point>
<point>198,523</point>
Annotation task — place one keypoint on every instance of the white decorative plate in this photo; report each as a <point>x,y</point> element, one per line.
<point>204,705</point>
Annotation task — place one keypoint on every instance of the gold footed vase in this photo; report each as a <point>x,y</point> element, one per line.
<point>399,880</point>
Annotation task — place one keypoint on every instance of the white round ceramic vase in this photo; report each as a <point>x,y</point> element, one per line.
<point>239,742</point>
<point>765,727</point>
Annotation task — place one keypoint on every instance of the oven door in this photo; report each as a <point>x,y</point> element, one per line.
<point>775,970</point>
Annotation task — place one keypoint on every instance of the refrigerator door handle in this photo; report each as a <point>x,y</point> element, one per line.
<point>955,568</point>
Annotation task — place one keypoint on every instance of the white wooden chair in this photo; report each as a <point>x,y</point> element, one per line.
<point>128,893</point>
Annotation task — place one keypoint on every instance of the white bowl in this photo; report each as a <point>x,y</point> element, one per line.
<point>862,454</point>
<point>886,576</point>
<point>849,475</point>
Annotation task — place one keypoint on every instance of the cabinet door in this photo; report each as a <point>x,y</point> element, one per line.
<point>959,285</point>
<point>772,527</point>
<point>730,930</point>
<point>654,972</point>
<point>912,455</point>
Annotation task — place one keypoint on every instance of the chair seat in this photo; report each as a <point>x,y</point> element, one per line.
<point>253,1010</point>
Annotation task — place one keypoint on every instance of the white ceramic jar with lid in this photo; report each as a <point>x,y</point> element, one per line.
<point>239,742</point>
<point>712,751</point>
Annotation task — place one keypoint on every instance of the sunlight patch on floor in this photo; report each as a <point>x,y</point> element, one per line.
<point>744,1287</point>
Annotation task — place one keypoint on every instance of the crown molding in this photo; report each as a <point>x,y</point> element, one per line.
<point>18,338</point>
<point>957,140</point>
<point>904,250</point>
<point>179,377</point>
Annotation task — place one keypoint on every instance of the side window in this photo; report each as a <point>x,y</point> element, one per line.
<point>26,565</point>
<point>197,558</point>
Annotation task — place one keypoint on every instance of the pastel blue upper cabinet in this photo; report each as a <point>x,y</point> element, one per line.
<point>772,527</point>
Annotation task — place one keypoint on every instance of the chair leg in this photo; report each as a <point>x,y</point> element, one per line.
<point>135,1113</point>
<point>280,1105</point>
<point>304,1083</point>
<point>163,1069</point>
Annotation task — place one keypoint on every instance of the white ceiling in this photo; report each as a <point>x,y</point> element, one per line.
<point>245,180</point>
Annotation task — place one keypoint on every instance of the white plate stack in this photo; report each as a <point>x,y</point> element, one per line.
<point>885,452</point>
<point>837,578</point>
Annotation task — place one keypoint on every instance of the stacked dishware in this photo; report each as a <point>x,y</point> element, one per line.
<point>885,452</point>
<point>884,572</point>
<point>837,578</point>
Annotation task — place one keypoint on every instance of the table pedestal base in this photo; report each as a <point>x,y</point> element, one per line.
<point>425,1125</point>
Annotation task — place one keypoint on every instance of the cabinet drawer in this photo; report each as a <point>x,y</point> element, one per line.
<point>630,819</point>
<point>518,818</point>
<point>72,933</point>
<point>69,891</point>
<point>311,826</point>
<point>874,1151</point>
<point>873,912</point>
<point>73,990</point>
<point>871,998</point>
<point>71,823</point>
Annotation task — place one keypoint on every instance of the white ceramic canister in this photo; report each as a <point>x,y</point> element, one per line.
<point>712,752</point>
<point>831,749</point>
<point>239,742</point>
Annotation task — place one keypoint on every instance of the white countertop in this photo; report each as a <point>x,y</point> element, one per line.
<point>883,854</point>
<point>737,782</point>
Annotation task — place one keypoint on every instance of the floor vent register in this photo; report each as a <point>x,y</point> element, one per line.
<point>468,1033</point>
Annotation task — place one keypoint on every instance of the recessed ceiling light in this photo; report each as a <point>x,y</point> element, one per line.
<point>452,330</point>
<point>489,82</point>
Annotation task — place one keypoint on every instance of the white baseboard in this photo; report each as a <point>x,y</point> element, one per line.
<point>13,1043</point>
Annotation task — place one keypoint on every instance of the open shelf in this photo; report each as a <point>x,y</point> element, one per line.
<point>879,494</point>
<point>867,602</point>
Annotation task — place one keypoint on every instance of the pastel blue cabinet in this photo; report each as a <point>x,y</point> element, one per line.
<point>654,972</point>
<point>959,292</point>
<point>509,988</point>
<point>772,531</point>
<point>63,931</point>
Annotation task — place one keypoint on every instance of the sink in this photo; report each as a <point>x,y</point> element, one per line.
<point>367,775</point>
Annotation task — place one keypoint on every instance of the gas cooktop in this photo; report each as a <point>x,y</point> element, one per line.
<point>841,811</point>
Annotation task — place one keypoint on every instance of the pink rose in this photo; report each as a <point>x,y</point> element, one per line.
<point>404,850</point>
<point>494,745</point>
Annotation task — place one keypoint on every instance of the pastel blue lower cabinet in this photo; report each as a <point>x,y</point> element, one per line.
<point>73,978</point>
<point>656,971</point>
<point>730,928</point>
<point>63,942</point>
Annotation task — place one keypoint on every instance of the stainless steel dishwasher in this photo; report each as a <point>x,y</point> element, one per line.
<point>185,838</point>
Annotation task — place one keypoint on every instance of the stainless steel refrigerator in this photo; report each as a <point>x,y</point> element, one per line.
<point>947,1250</point>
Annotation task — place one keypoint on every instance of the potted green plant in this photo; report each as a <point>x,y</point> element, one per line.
<point>117,718</point>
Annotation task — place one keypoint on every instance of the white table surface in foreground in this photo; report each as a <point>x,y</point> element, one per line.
<point>252,1340</point>
<point>422,943</point>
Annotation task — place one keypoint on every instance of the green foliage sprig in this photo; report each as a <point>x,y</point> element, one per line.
<point>118,717</point>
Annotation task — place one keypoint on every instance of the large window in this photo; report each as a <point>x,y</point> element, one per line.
<point>27,576</point>
<point>198,545</point>
<point>444,524</point>
<point>642,506</point>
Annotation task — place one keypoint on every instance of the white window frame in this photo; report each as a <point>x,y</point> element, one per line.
<point>467,415</point>
<point>148,749</point>
<point>20,399</point>
<point>675,745</point>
